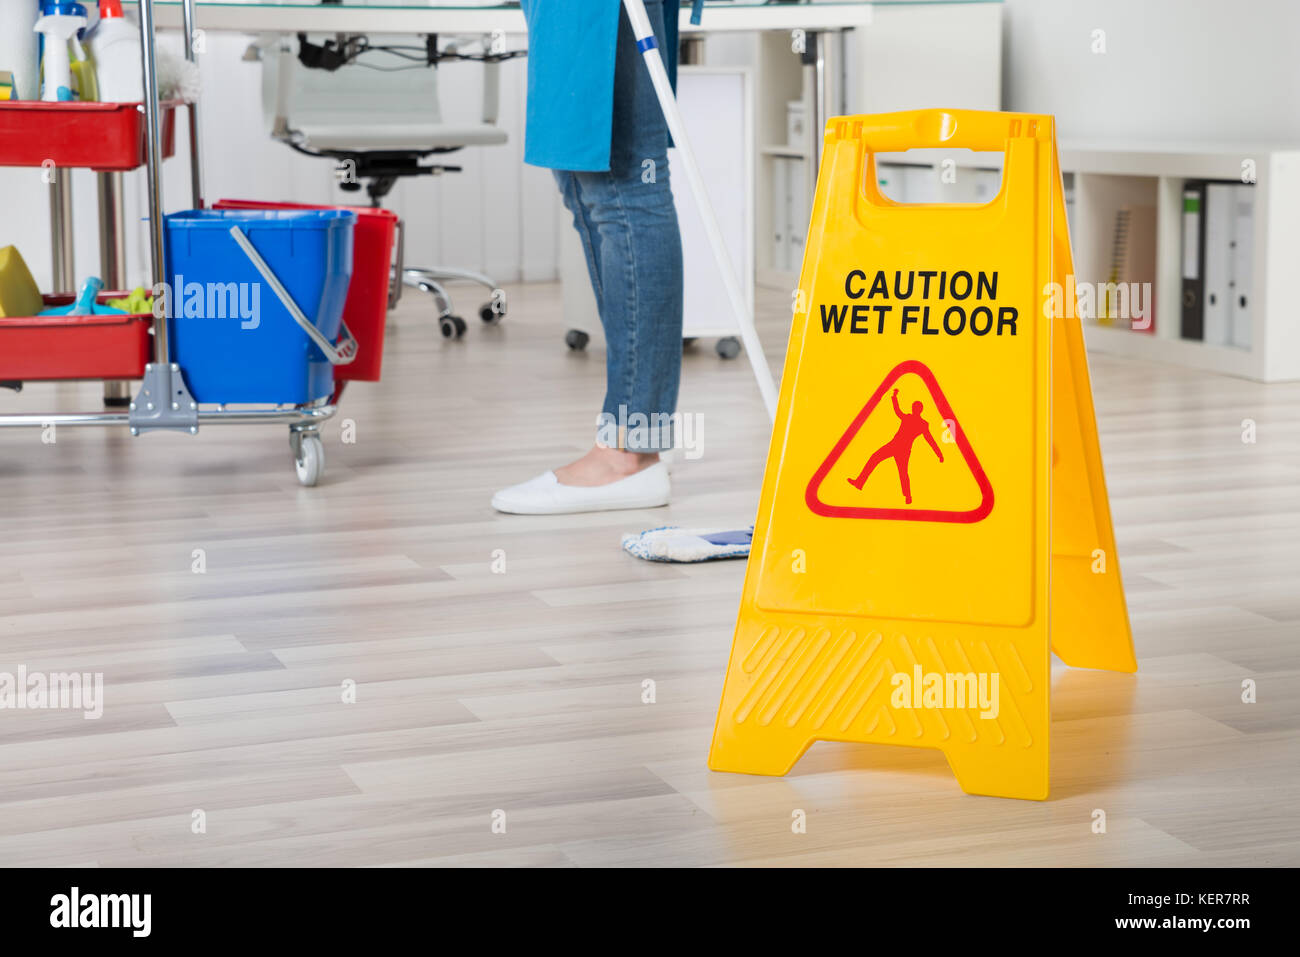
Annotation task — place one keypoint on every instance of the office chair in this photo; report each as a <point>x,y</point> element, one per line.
<point>372,107</point>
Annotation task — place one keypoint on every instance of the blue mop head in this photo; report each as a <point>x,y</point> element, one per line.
<point>673,544</point>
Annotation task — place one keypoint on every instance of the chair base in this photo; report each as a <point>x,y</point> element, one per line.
<point>431,280</point>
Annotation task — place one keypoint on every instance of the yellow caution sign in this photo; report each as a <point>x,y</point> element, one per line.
<point>933,518</point>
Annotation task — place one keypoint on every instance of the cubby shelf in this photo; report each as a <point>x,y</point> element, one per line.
<point>1107,176</point>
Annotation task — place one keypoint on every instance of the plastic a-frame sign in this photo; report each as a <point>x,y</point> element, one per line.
<point>933,520</point>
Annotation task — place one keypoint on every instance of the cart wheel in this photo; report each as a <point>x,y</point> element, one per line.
<point>728,348</point>
<point>310,460</point>
<point>576,339</point>
<point>488,313</point>
<point>451,327</point>
<point>688,342</point>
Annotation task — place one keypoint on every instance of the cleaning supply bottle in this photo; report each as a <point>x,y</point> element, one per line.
<point>19,50</point>
<point>58,24</point>
<point>115,42</point>
<point>86,303</point>
<point>84,83</point>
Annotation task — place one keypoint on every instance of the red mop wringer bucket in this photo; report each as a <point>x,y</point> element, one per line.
<point>255,302</point>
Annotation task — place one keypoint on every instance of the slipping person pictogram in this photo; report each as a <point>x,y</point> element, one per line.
<point>899,448</point>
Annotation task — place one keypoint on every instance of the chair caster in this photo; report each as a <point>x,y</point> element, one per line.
<point>576,339</point>
<point>728,348</point>
<point>493,311</point>
<point>451,327</point>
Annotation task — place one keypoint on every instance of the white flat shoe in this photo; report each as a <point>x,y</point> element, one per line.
<point>544,495</point>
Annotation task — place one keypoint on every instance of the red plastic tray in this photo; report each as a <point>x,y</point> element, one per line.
<point>108,137</point>
<point>74,347</point>
<point>366,309</point>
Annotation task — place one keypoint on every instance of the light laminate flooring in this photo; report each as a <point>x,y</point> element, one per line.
<point>521,691</point>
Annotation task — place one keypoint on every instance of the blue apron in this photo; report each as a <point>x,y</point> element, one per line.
<point>571,47</point>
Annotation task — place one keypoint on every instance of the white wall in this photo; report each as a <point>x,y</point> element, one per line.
<point>498,216</point>
<point>1173,70</point>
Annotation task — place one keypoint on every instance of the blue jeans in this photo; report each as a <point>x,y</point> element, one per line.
<point>628,226</point>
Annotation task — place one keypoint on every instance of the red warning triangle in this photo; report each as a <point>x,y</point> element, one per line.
<point>913,431</point>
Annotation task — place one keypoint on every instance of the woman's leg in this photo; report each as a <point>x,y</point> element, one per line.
<point>631,223</point>
<point>628,226</point>
<point>641,258</point>
<point>568,184</point>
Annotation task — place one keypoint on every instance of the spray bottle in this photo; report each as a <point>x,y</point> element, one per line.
<point>58,24</point>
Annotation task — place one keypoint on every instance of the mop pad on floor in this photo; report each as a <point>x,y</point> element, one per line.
<point>673,544</point>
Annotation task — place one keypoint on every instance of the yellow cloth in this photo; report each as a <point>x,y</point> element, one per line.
<point>137,303</point>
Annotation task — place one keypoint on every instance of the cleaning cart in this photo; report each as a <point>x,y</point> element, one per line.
<point>286,352</point>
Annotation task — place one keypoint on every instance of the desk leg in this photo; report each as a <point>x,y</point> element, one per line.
<point>112,263</point>
<point>824,56</point>
<point>690,50</point>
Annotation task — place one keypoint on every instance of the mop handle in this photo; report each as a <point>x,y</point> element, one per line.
<point>648,45</point>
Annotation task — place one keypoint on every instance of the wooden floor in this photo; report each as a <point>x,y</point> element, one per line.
<point>521,691</point>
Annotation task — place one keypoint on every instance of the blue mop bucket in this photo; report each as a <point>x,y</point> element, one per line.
<point>256,302</point>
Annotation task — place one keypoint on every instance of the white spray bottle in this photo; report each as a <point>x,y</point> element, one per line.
<point>58,24</point>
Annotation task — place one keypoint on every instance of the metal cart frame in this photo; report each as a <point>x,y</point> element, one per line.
<point>164,401</point>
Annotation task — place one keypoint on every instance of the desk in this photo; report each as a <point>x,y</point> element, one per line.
<point>417,16</point>
<point>387,16</point>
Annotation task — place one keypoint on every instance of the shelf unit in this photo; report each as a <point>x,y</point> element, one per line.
<point>782,79</point>
<point>1108,176</point>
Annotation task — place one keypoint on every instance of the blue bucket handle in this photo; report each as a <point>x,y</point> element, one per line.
<point>342,354</point>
